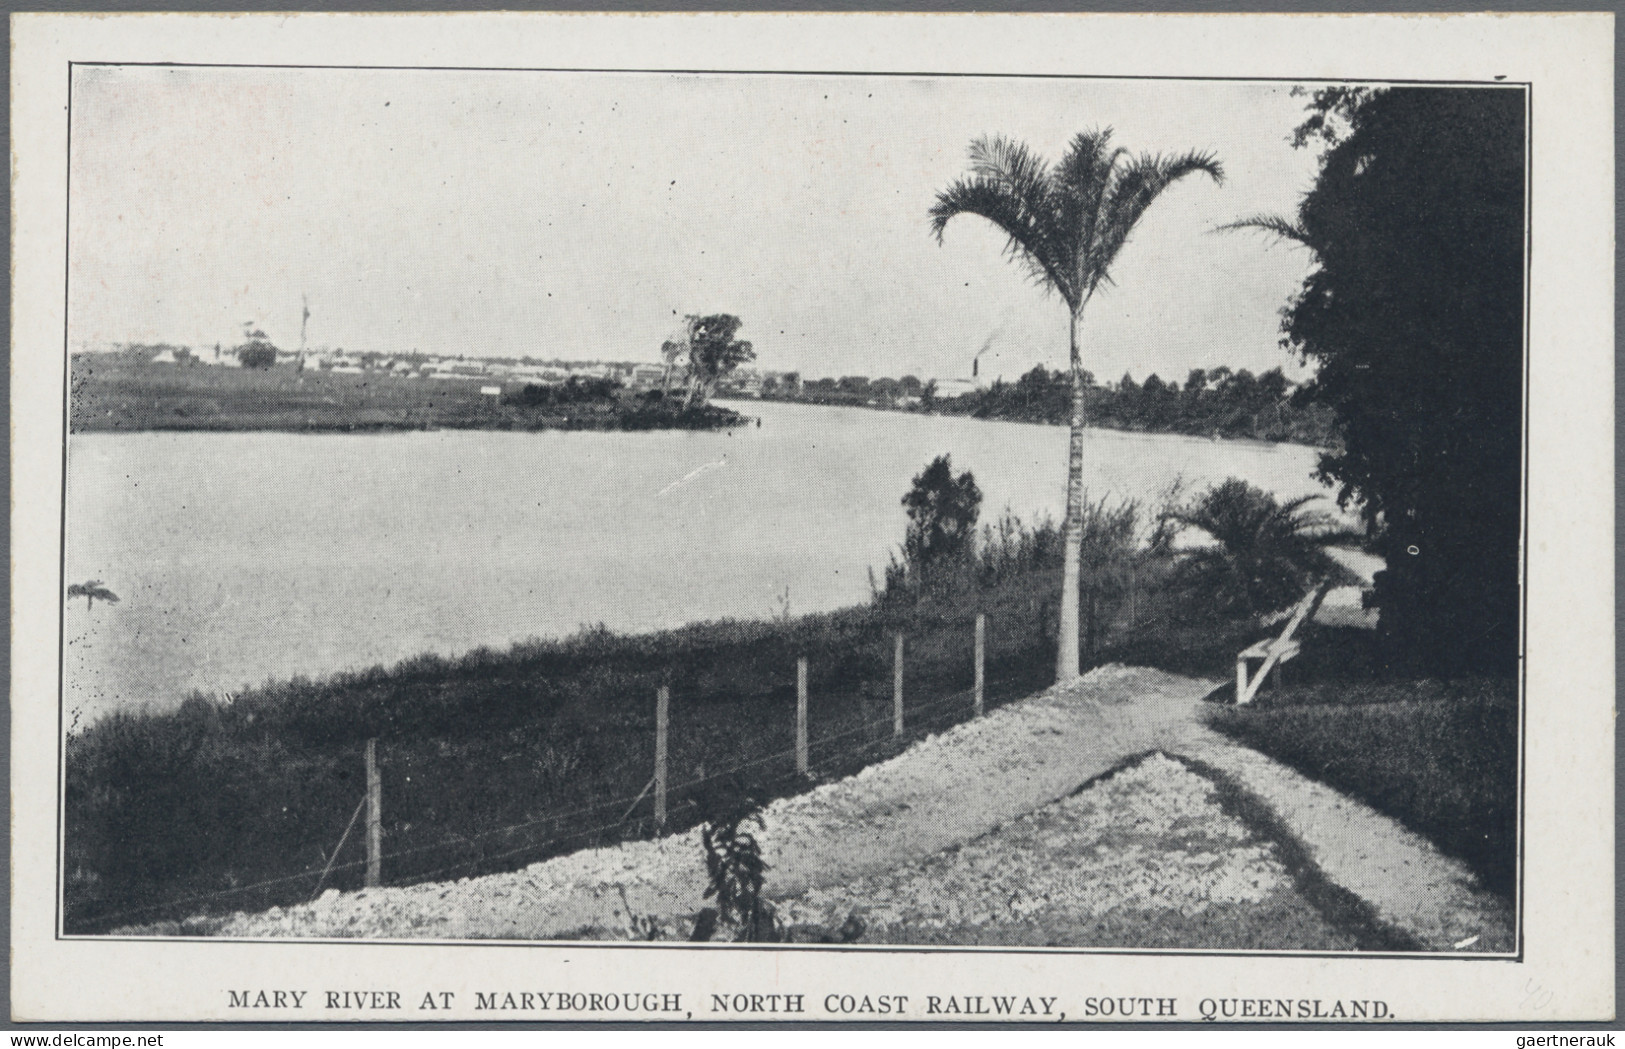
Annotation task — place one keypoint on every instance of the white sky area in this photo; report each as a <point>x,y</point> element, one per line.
<point>580,215</point>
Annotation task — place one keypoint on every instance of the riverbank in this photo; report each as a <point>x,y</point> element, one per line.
<point>112,394</point>
<point>1104,814</point>
<point>246,557</point>
<point>496,758</point>
<point>500,758</point>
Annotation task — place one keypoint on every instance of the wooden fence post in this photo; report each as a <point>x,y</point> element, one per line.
<point>662,718</point>
<point>981,659</point>
<point>375,832</point>
<point>897,688</point>
<point>801,715</point>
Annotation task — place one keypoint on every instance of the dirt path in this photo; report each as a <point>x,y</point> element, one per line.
<point>1147,856</point>
<point>1434,899</point>
<point>946,790</point>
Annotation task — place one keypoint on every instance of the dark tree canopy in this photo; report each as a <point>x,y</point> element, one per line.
<point>1414,314</point>
<point>257,352</point>
<point>93,591</point>
<point>713,352</point>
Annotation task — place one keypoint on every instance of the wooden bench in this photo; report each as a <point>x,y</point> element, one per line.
<point>1273,651</point>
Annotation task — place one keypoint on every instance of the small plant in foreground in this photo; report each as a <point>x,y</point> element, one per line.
<point>734,865</point>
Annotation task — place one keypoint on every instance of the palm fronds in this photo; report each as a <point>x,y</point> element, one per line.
<point>1265,552</point>
<point>1010,187</point>
<point>1134,186</point>
<point>1276,225</point>
<point>1086,172</point>
<point>1066,222</point>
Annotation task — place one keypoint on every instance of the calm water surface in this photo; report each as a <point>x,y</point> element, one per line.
<point>246,557</point>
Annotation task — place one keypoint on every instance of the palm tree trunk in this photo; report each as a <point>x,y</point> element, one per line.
<point>1066,659</point>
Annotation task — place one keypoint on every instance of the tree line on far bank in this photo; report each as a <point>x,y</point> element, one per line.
<point>1214,402</point>
<point>1217,403</point>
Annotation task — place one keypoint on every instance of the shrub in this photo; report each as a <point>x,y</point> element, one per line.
<point>942,511</point>
<point>496,759</point>
<point>256,353</point>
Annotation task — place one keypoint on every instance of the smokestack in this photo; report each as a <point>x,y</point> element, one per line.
<point>976,361</point>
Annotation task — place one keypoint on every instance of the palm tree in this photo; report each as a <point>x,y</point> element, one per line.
<point>92,591</point>
<point>1267,553</point>
<point>1066,224</point>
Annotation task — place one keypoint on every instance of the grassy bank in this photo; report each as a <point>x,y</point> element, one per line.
<point>494,760</point>
<point>1440,757</point>
<point>113,393</point>
<point>500,759</point>
<point>497,760</point>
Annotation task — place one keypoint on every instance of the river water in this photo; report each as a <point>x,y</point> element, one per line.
<point>243,557</point>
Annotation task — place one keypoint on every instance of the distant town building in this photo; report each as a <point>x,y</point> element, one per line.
<point>647,376</point>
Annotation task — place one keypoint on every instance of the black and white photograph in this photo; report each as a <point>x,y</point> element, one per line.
<point>816,511</point>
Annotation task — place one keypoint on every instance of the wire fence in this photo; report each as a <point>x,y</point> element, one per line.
<point>859,729</point>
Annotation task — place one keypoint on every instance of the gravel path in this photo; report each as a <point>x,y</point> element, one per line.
<point>949,790</point>
<point>1411,886</point>
<point>1144,858</point>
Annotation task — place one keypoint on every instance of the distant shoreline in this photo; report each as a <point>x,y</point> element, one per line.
<point>605,423</point>
<point>110,395</point>
<point>1099,425</point>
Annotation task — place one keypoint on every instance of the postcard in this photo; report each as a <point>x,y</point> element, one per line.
<point>812,518</point>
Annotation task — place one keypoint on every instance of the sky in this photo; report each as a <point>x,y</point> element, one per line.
<point>579,216</point>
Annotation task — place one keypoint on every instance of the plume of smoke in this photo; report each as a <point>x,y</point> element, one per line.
<point>987,344</point>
